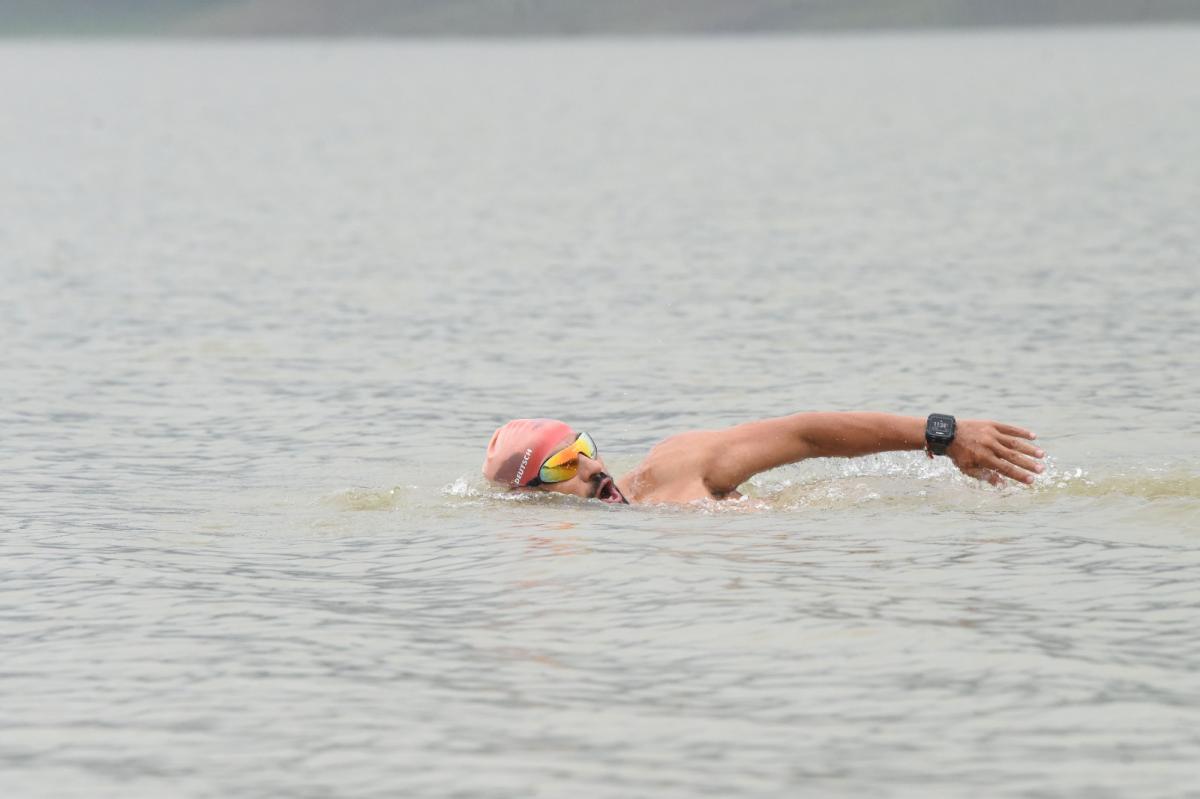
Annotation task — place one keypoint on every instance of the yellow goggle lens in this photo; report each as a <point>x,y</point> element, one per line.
<point>563,464</point>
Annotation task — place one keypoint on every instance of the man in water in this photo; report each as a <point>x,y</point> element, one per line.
<point>548,455</point>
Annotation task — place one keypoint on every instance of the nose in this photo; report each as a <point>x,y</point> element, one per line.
<point>589,467</point>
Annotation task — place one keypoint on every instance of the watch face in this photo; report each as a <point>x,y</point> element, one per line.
<point>940,427</point>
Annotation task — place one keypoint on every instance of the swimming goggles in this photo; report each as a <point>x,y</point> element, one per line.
<point>564,464</point>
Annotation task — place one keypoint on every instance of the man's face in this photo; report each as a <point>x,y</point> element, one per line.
<point>591,480</point>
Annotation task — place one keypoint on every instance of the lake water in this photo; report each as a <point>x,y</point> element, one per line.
<point>262,305</point>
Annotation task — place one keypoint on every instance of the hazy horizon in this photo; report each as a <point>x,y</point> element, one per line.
<point>572,18</point>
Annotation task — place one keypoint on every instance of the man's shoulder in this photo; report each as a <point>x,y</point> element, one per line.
<point>680,453</point>
<point>676,467</point>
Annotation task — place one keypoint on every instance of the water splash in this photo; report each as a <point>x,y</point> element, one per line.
<point>471,492</point>
<point>462,488</point>
<point>903,481</point>
<point>366,499</point>
<point>892,483</point>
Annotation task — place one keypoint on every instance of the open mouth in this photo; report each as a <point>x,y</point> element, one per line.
<point>606,491</point>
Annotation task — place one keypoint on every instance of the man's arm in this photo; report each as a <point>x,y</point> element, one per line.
<point>981,448</point>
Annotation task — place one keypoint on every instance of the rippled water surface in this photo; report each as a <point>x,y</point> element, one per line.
<point>263,304</point>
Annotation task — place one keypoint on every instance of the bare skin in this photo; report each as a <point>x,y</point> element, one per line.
<point>711,464</point>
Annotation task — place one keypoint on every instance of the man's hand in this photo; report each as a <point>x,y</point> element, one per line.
<point>986,450</point>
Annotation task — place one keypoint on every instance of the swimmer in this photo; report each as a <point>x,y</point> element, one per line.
<point>549,455</point>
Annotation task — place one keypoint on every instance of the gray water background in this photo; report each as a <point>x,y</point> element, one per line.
<point>261,306</point>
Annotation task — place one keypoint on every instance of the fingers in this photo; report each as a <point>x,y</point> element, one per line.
<point>1020,453</point>
<point>1023,461</point>
<point>1020,432</point>
<point>1022,446</point>
<point>1012,465</point>
<point>1012,471</point>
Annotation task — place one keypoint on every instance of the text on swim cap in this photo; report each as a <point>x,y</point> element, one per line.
<point>521,471</point>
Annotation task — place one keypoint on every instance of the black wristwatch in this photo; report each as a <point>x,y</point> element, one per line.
<point>939,433</point>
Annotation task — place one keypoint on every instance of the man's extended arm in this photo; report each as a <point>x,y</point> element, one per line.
<point>981,448</point>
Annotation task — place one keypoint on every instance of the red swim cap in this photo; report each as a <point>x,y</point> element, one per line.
<point>518,449</point>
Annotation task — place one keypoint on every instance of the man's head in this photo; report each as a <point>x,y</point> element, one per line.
<point>547,455</point>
